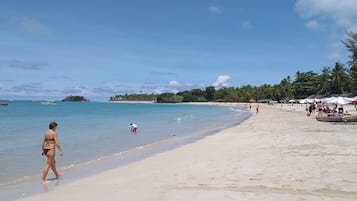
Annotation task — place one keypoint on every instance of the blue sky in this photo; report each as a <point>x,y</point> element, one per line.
<point>52,49</point>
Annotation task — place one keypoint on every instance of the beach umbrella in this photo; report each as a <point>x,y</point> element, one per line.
<point>302,101</point>
<point>306,100</point>
<point>338,100</point>
<point>354,99</point>
<point>325,100</point>
<point>317,100</point>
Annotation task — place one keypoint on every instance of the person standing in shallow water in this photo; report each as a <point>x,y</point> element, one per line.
<point>49,144</point>
<point>134,127</point>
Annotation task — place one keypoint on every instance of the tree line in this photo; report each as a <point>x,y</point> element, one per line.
<point>332,80</point>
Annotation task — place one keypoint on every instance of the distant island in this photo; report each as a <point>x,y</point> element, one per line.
<point>75,99</point>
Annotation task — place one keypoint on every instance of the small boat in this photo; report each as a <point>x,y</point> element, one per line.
<point>4,104</point>
<point>48,103</point>
<point>344,118</point>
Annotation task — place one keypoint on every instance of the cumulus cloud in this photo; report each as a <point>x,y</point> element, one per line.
<point>214,10</point>
<point>15,63</point>
<point>31,26</point>
<point>342,12</point>
<point>174,83</point>
<point>221,81</point>
<point>175,86</point>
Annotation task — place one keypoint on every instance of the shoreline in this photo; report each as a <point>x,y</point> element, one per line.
<point>28,185</point>
<point>277,154</point>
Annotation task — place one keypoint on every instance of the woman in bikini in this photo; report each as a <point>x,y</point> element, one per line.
<point>49,144</point>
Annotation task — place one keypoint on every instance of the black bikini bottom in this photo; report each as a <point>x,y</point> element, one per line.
<point>45,151</point>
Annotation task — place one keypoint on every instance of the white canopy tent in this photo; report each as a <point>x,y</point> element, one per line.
<point>338,100</point>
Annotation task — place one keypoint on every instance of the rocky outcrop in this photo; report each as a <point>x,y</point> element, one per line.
<point>75,99</point>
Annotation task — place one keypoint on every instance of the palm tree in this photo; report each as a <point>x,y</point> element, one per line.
<point>285,87</point>
<point>325,79</point>
<point>351,45</point>
<point>339,78</point>
<point>305,84</point>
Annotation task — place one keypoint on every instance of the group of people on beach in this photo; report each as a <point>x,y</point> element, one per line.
<point>48,148</point>
<point>326,109</point>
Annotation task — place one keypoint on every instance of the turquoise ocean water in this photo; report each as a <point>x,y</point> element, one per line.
<point>95,132</point>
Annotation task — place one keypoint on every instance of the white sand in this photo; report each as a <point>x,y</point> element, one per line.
<point>279,154</point>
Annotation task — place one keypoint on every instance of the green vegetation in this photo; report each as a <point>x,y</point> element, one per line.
<point>133,97</point>
<point>332,80</point>
<point>169,98</point>
<point>351,45</point>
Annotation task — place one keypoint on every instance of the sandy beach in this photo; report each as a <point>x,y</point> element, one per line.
<point>277,154</point>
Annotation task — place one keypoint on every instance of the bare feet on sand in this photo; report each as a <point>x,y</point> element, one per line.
<point>57,177</point>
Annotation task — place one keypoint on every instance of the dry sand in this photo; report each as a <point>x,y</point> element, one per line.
<point>277,154</point>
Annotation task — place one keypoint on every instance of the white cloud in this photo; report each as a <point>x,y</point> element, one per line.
<point>31,26</point>
<point>175,86</point>
<point>221,81</point>
<point>214,10</point>
<point>342,12</point>
<point>174,83</point>
<point>314,25</point>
